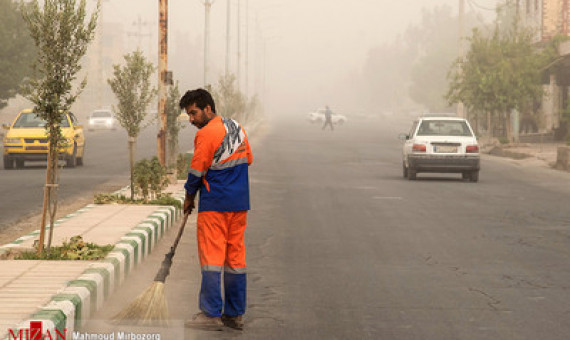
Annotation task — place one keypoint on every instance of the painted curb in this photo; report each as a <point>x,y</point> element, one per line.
<point>16,243</point>
<point>70,308</point>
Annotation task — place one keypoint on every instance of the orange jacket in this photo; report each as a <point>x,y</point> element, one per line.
<point>219,167</point>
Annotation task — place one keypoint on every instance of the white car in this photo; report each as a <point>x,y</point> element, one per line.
<point>318,116</point>
<point>102,119</point>
<point>441,144</point>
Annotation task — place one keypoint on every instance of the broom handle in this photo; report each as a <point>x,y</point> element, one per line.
<point>173,249</point>
<point>164,270</point>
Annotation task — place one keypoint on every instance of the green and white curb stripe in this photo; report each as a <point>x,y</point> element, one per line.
<point>35,233</point>
<point>140,239</point>
<point>116,271</point>
<point>91,286</point>
<point>52,320</point>
<point>96,280</point>
<point>75,304</point>
<point>132,248</point>
<point>142,236</point>
<point>122,258</point>
<point>154,228</point>
<point>75,300</point>
<point>82,307</point>
<point>107,271</point>
<point>148,231</point>
<point>171,211</point>
<point>159,223</point>
<point>68,309</point>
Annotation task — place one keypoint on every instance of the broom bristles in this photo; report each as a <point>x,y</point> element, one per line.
<point>148,309</point>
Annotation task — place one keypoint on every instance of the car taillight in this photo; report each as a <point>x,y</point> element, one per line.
<point>472,149</point>
<point>419,148</point>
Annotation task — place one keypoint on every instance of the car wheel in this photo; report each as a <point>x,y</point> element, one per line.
<point>79,160</point>
<point>474,176</point>
<point>19,163</point>
<point>71,161</point>
<point>412,174</point>
<point>404,170</point>
<point>8,163</point>
<point>466,175</point>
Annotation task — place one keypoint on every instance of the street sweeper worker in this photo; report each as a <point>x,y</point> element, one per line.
<point>219,171</point>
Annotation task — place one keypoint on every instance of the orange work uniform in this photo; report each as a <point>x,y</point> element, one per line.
<point>219,170</point>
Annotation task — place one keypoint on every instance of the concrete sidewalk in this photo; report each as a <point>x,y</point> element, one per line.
<point>532,154</point>
<point>64,294</point>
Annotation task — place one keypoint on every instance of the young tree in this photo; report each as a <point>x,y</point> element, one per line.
<point>229,100</point>
<point>131,84</point>
<point>17,50</point>
<point>436,47</point>
<point>172,125</point>
<point>500,73</point>
<point>61,30</point>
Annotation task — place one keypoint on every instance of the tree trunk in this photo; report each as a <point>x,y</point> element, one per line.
<point>132,144</point>
<point>52,206</point>
<point>508,126</point>
<point>476,122</point>
<point>47,189</point>
<point>172,151</point>
<point>489,128</point>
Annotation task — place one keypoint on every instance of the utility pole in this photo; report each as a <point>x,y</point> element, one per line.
<point>565,17</point>
<point>515,115</point>
<point>238,71</point>
<point>461,15</point>
<point>246,49</point>
<point>100,77</point>
<point>207,8</point>
<point>517,17</point>
<point>162,73</point>
<point>257,68</point>
<point>138,32</point>
<point>228,17</point>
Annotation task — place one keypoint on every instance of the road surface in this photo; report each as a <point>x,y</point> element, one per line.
<point>106,168</point>
<point>341,246</point>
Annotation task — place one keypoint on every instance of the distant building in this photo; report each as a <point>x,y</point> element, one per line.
<point>548,19</point>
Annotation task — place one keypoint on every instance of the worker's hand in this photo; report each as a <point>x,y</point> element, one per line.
<point>189,204</point>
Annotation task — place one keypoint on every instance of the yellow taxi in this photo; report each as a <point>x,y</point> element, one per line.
<point>26,140</point>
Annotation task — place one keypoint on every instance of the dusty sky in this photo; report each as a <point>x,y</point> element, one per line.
<point>309,44</point>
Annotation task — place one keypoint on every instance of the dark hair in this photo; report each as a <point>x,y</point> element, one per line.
<point>200,97</point>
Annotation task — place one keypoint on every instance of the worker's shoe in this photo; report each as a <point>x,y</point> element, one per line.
<point>204,322</point>
<point>235,322</point>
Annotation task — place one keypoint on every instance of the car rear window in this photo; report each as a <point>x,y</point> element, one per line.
<point>31,120</point>
<point>444,128</point>
<point>101,114</point>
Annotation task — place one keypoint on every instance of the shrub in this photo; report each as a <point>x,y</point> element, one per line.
<point>163,199</point>
<point>75,249</point>
<point>149,178</point>
<point>183,164</point>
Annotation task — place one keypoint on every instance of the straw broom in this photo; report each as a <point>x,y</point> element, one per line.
<point>150,307</point>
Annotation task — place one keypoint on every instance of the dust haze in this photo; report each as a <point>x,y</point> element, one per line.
<point>295,56</point>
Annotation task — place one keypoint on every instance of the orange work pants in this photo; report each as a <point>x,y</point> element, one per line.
<point>221,248</point>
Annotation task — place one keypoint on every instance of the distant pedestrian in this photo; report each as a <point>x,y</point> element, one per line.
<point>219,170</point>
<point>328,118</point>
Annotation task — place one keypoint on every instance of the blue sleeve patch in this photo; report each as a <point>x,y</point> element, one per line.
<point>193,183</point>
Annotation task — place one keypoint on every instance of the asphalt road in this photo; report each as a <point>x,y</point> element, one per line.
<point>341,246</point>
<point>106,167</point>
